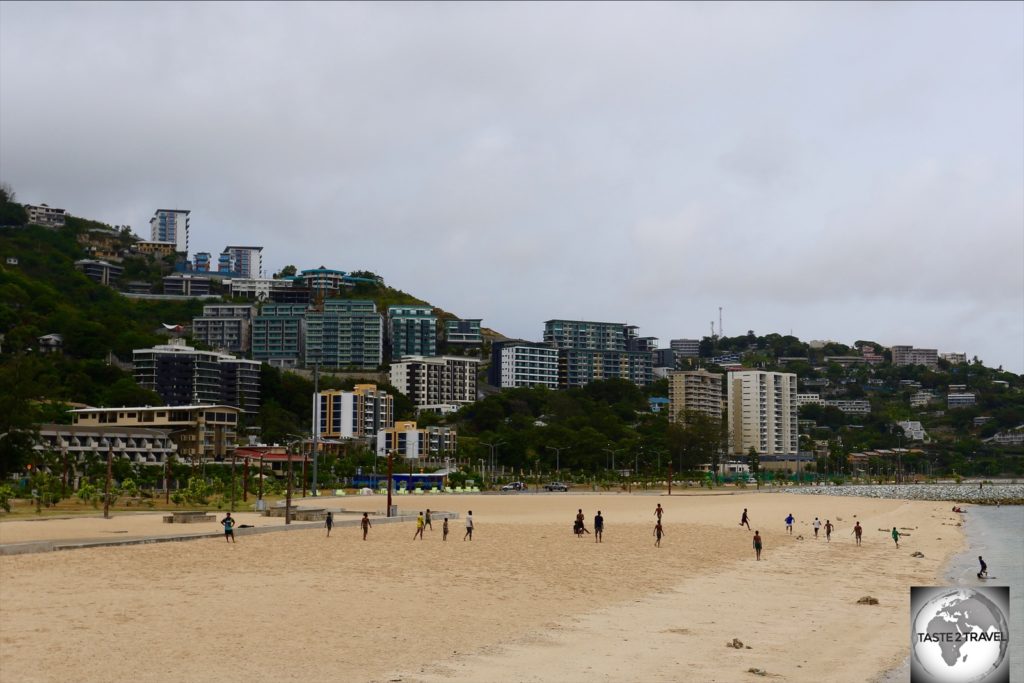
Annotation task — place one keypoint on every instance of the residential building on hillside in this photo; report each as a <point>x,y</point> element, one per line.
<point>1008,437</point>
<point>347,333</point>
<point>845,361</point>
<point>155,249</point>
<point>686,348</point>
<point>643,344</point>
<point>809,400</point>
<point>171,225</point>
<point>439,384</point>
<point>464,331</point>
<point>908,355</point>
<point>282,291</point>
<point>518,363</point>
<point>100,271</point>
<point>183,375</point>
<point>201,262</point>
<point>186,284</point>
<point>591,351</point>
<point>138,445</point>
<point>960,400</point>
<point>225,327</point>
<point>913,430</point>
<point>245,261</point>
<point>921,399</point>
<point>870,355</point>
<point>697,390</point>
<point>200,432</point>
<point>582,334</point>
<point>762,412</point>
<point>954,358</point>
<point>322,282</point>
<point>409,441</point>
<point>412,331</point>
<point>46,216</point>
<point>851,407</point>
<point>666,358</point>
<point>279,334</point>
<point>356,414</point>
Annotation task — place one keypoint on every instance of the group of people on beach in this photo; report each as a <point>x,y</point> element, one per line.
<point>425,521</point>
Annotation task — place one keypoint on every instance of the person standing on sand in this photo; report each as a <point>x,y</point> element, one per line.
<point>744,520</point>
<point>896,537</point>
<point>427,521</point>
<point>469,526</point>
<point>329,523</point>
<point>789,523</point>
<point>229,528</point>
<point>658,511</point>
<point>658,533</point>
<point>757,544</point>
<point>817,525</point>
<point>365,523</point>
<point>580,526</point>
<point>983,574</point>
<point>598,527</point>
<point>419,527</point>
<point>444,530</point>
<point>858,531</point>
<point>828,530</point>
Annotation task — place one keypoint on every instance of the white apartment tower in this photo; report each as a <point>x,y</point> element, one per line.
<point>762,412</point>
<point>698,390</point>
<point>439,384</point>
<point>171,225</point>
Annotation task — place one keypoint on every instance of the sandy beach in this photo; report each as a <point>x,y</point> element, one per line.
<point>524,601</point>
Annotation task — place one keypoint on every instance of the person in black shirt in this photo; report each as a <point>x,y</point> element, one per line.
<point>598,526</point>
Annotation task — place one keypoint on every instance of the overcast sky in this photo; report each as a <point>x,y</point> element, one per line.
<point>838,171</point>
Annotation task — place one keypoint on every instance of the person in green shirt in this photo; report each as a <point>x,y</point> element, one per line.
<point>896,537</point>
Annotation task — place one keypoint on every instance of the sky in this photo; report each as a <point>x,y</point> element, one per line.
<point>836,171</point>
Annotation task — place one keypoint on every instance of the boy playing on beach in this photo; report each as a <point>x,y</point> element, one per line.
<point>427,522</point>
<point>744,520</point>
<point>817,525</point>
<point>896,537</point>
<point>658,533</point>
<point>598,526</point>
<point>469,526</point>
<point>365,523</point>
<point>444,530</point>
<point>828,530</point>
<point>329,523</point>
<point>857,531</point>
<point>658,512</point>
<point>419,527</point>
<point>789,523</point>
<point>229,528</point>
<point>983,574</point>
<point>580,527</point>
<point>757,544</point>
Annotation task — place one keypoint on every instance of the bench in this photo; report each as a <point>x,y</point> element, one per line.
<point>188,518</point>
<point>298,514</point>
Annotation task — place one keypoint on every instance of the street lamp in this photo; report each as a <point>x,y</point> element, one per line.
<point>558,453</point>
<point>613,451</point>
<point>491,460</point>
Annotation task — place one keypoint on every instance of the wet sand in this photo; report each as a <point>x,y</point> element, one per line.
<point>524,601</point>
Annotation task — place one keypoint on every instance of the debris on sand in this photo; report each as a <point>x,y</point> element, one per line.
<point>736,643</point>
<point>917,553</point>
<point>756,671</point>
<point>867,600</point>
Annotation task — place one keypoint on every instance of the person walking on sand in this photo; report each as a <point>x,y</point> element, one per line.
<point>817,525</point>
<point>744,520</point>
<point>658,511</point>
<point>896,537</point>
<point>329,523</point>
<point>757,544</point>
<point>858,531</point>
<point>419,527</point>
<point>229,528</point>
<point>580,526</point>
<point>598,527</point>
<point>469,526</point>
<point>444,530</point>
<point>828,530</point>
<point>365,523</point>
<point>789,523</point>
<point>983,574</point>
<point>426,521</point>
<point>658,533</point>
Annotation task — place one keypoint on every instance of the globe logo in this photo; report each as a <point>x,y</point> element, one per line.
<point>959,636</point>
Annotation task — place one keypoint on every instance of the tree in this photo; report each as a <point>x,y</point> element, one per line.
<point>287,271</point>
<point>754,460</point>
<point>695,439</point>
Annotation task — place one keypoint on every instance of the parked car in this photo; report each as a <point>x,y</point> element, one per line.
<point>556,486</point>
<point>514,486</point>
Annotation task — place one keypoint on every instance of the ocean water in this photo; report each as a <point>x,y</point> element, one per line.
<point>997,534</point>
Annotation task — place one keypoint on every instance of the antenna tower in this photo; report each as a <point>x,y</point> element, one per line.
<point>719,321</point>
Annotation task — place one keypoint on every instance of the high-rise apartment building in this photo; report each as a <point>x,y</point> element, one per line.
<point>590,351</point>
<point>356,414</point>
<point>279,334</point>
<point>346,333</point>
<point>46,216</point>
<point>762,412</point>
<point>697,390</point>
<point>225,327</point>
<point>523,364</point>
<point>463,331</point>
<point>171,225</point>
<point>247,262</point>
<point>908,355</point>
<point>686,348</point>
<point>441,384</point>
<point>412,331</point>
<point>407,440</point>
<point>183,375</point>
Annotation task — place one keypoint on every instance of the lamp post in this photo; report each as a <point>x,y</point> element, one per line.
<point>613,451</point>
<point>316,425</point>
<point>558,453</point>
<point>491,461</point>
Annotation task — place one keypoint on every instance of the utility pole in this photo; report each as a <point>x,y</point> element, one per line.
<point>167,480</point>
<point>391,454</point>
<point>261,480</point>
<point>316,421</point>
<point>64,478</point>
<point>106,489</point>
<point>234,460</point>
<point>670,476</point>
<point>288,499</point>
<point>245,481</point>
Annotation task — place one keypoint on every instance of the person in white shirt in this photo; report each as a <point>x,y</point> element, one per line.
<point>469,526</point>
<point>816,525</point>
